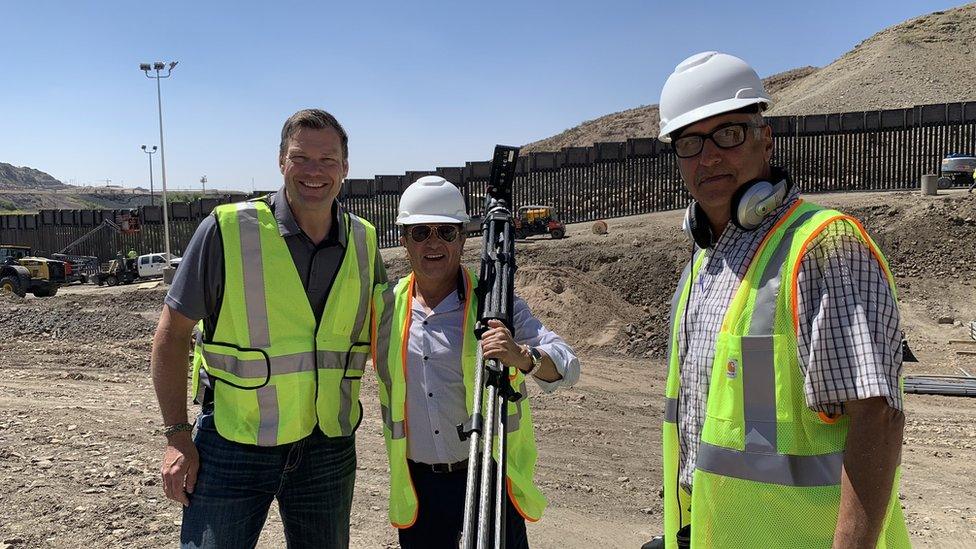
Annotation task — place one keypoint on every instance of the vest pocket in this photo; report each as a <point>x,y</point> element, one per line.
<point>723,410</point>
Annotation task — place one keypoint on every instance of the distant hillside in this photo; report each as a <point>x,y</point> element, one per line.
<point>641,121</point>
<point>14,178</point>
<point>927,59</point>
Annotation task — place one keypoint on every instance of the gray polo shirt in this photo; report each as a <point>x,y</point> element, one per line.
<point>198,286</point>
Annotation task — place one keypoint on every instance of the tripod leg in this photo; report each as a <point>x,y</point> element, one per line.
<point>484,507</point>
<point>501,492</point>
<point>471,498</point>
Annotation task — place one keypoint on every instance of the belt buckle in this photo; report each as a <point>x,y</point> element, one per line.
<point>440,467</point>
<point>447,467</point>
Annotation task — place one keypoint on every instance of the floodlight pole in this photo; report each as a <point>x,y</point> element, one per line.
<point>152,196</point>
<point>158,66</point>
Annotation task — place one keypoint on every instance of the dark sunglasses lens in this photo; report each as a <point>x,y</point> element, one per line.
<point>419,233</point>
<point>447,233</point>
<point>686,147</point>
<point>730,136</point>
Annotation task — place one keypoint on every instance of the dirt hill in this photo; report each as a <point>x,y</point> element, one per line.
<point>923,60</point>
<point>16,178</point>
<point>641,121</point>
<point>928,59</point>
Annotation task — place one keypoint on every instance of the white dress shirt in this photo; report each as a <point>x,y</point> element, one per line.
<point>435,383</point>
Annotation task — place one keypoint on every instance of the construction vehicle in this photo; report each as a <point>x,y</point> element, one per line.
<point>121,270</point>
<point>957,171</point>
<point>126,270</point>
<point>77,268</point>
<point>537,219</point>
<point>22,273</point>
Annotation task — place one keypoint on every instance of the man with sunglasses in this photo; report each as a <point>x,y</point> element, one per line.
<point>425,356</point>
<point>783,418</point>
<point>277,291</point>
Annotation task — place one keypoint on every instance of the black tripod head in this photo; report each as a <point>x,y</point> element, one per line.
<point>499,191</point>
<point>497,276</point>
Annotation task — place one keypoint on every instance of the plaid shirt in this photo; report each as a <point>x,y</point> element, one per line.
<point>849,337</point>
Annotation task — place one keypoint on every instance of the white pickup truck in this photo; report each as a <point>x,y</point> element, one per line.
<point>151,265</point>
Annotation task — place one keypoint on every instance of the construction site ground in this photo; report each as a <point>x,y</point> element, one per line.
<point>79,426</point>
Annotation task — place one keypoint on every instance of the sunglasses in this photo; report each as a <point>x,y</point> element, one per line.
<point>724,137</point>
<point>420,233</point>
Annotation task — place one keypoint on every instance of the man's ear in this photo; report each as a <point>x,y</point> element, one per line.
<point>768,142</point>
<point>403,241</point>
<point>281,163</point>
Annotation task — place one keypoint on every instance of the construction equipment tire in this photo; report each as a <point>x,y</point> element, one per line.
<point>12,285</point>
<point>111,280</point>
<point>558,233</point>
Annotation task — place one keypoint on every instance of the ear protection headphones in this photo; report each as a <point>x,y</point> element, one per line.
<point>750,204</point>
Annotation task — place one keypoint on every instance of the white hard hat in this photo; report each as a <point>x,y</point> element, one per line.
<point>431,199</point>
<point>707,84</point>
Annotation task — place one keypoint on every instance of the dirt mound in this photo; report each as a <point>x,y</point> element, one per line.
<point>70,318</point>
<point>638,264</point>
<point>925,238</point>
<point>583,311</point>
<point>914,63</point>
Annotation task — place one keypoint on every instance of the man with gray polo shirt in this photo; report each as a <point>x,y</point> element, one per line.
<point>277,291</point>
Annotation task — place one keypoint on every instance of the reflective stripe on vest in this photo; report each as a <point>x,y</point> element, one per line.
<point>799,488</point>
<point>393,316</point>
<point>250,406</point>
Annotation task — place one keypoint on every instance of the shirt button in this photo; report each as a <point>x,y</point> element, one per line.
<point>436,432</point>
<point>425,358</point>
<point>425,323</point>
<point>430,394</point>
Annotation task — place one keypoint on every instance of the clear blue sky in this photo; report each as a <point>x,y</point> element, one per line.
<point>416,84</point>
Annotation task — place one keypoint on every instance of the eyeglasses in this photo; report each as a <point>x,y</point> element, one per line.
<point>724,137</point>
<point>420,233</point>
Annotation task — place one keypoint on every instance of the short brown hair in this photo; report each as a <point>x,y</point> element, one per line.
<point>314,119</point>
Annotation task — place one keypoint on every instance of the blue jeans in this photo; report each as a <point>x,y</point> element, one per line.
<point>312,479</point>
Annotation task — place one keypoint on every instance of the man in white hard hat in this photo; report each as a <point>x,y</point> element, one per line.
<point>425,352</point>
<point>783,419</point>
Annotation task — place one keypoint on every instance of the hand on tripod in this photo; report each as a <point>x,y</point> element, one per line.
<point>499,344</point>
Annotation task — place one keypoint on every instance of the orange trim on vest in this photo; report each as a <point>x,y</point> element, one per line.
<point>874,250</point>
<point>778,224</point>
<point>769,233</point>
<point>404,340</point>
<point>829,419</point>
<point>511,497</point>
<point>796,266</point>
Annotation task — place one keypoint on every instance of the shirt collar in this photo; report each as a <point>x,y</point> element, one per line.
<point>288,225</point>
<point>452,302</point>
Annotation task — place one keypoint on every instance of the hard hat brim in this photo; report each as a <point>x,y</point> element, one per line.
<point>421,219</point>
<point>707,111</point>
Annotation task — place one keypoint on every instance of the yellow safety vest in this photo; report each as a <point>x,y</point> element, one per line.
<point>392,317</point>
<point>277,372</point>
<point>768,472</point>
